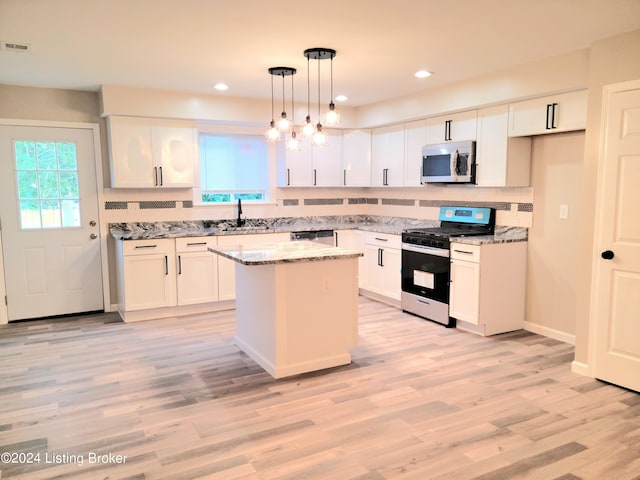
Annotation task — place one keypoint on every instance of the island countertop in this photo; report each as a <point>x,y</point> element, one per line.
<point>288,252</point>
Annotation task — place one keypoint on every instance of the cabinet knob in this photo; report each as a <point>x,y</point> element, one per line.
<point>607,255</point>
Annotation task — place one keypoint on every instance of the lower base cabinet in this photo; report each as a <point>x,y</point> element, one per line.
<point>382,265</point>
<point>487,290</point>
<point>197,270</point>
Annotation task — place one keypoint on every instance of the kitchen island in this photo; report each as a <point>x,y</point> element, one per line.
<point>296,304</point>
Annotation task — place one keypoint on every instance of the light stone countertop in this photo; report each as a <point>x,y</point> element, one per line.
<point>289,252</point>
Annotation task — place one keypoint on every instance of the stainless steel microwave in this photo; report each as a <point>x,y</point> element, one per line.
<point>453,162</point>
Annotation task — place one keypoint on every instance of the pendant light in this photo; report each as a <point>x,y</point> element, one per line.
<point>293,143</point>
<point>308,129</point>
<point>283,125</point>
<point>332,118</point>
<point>319,137</point>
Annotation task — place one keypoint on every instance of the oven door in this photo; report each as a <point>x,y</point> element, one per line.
<point>425,272</point>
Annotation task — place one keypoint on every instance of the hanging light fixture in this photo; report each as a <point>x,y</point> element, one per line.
<point>319,136</point>
<point>332,118</point>
<point>283,125</point>
<point>308,129</point>
<point>293,143</point>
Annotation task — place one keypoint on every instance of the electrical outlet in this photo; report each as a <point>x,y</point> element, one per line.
<point>564,212</point>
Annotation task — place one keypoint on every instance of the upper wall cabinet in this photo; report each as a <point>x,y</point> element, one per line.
<point>311,166</point>
<point>415,136</point>
<point>356,158</point>
<point>152,153</point>
<point>501,161</point>
<point>556,113</point>
<point>387,156</point>
<point>454,127</point>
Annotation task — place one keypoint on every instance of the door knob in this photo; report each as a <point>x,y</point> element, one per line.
<point>92,223</point>
<point>607,255</point>
<point>93,236</point>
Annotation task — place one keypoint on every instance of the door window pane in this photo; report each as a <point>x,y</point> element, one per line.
<point>47,180</point>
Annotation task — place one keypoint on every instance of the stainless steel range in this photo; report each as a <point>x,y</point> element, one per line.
<point>425,260</point>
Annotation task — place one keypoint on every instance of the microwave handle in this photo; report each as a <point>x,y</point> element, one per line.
<point>454,164</point>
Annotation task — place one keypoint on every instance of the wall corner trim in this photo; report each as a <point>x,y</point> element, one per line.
<point>550,332</point>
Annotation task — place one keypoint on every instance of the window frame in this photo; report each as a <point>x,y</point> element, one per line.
<point>249,130</point>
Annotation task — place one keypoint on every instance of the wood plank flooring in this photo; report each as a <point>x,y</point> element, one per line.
<point>419,401</point>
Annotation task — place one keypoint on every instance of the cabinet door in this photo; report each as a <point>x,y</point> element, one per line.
<point>454,127</point>
<point>327,161</point>
<point>558,113</point>
<point>353,240</point>
<point>501,161</point>
<point>197,277</point>
<point>391,276</point>
<point>387,156</point>
<point>149,281</point>
<point>131,154</point>
<point>298,169</point>
<point>372,270</point>
<point>415,139</point>
<point>175,151</point>
<point>464,294</point>
<point>356,158</point>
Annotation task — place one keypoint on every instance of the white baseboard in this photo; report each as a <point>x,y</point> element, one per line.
<point>550,332</point>
<point>581,368</point>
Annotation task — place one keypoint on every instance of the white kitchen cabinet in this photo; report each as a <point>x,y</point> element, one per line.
<point>382,265</point>
<point>197,270</point>
<point>296,166</point>
<point>146,274</point>
<point>556,113</point>
<point>356,158</point>
<point>501,161</point>
<point>453,127</point>
<point>327,161</point>
<point>152,153</point>
<point>415,139</point>
<point>353,240</point>
<point>487,289</point>
<point>387,156</point>
<point>227,268</point>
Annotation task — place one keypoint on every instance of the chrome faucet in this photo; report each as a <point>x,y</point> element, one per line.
<point>239,221</point>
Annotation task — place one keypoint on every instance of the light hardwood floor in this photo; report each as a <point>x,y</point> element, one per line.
<point>419,401</point>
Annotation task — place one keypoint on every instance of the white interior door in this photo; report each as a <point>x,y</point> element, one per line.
<point>49,215</point>
<point>616,284</point>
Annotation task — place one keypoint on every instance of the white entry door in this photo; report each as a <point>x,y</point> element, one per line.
<point>49,215</point>
<point>616,282</point>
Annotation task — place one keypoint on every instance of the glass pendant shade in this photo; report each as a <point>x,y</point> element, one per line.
<point>332,118</point>
<point>308,129</point>
<point>284,125</point>
<point>319,138</point>
<point>293,143</point>
<point>272,134</point>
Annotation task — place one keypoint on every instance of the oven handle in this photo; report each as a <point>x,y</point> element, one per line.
<point>439,252</point>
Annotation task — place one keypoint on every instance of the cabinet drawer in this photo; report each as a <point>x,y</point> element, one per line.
<point>148,247</point>
<point>388,240</point>
<point>194,244</point>
<point>462,251</point>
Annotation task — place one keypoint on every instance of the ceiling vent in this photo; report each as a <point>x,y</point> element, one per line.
<point>16,47</point>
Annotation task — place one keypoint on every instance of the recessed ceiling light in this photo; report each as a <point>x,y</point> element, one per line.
<point>422,74</point>
<point>341,98</point>
<point>221,87</point>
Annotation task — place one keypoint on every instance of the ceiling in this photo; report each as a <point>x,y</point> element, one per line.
<point>189,45</point>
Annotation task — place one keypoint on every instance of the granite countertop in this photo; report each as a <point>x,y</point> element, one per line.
<point>367,223</point>
<point>288,252</point>
<point>501,235</point>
